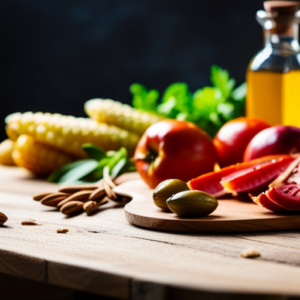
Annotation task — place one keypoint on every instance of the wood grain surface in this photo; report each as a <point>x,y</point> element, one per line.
<point>105,254</point>
<point>231,215</point>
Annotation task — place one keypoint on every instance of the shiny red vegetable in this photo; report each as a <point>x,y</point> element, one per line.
<point>211,182</point>
<point>173,149</point>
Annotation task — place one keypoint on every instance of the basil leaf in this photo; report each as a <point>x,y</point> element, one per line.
<point>93,151</point>
<point>55,176</point>
<point>116,170</point>
<point>122,153</point>
<point>79,171</point>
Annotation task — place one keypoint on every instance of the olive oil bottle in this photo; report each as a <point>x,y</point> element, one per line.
<point>273,76</point>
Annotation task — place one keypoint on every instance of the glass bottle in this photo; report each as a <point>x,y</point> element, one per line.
<point>273,75</point>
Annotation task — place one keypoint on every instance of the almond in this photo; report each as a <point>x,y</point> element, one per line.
<point>52,202</point>
<point>77,188</point>
<point>90,206</point>
<point>41,196</point>
<point>62,230</point>
<point>107,178</point>
<point>81,196</point>
<point>110,193</point>
<point>3,218</point>
<point>71,207</point>
<point>29,223</point>
<point>250,253</point>
<point>98,193</point>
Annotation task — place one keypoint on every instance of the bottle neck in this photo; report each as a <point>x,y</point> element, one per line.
<point>285,42</point>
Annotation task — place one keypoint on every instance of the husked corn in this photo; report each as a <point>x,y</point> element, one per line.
<point>68,133</point>
<point>121,115</point>
<point>39,158</point>
<point>6,149</point>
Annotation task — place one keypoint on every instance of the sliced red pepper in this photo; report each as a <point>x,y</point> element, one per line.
<point>264,201</point>
<point>255,176</point>
<point>287,196</point>
<point>210,182</point>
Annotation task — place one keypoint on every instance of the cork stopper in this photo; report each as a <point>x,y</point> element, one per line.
<point>283,13</point>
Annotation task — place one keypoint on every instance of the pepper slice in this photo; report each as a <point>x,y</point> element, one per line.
<point>287,196</point>
<point>255,176</point>
<point>211,182</point>
<point>264,201</point>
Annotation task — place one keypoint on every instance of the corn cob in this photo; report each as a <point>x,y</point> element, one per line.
<point>121,115</point>
<point>6,149</point>
<point>39,158</point>
<point>68,133</point>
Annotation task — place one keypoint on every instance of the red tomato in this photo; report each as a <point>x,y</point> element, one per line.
<point>233,138</point>
<point>287,196</point>
<point>257,176</point>
<point>211,182</point>
<point>264,201</point>
<point>275,140</point>
<point>173,149</point>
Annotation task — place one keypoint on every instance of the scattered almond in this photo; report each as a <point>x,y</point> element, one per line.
<point>84,197</point>
<point>41,196</point>
<point>62,230</point>
<point>77,188</point>
<point>71,207</point>
<point>107,178</point>
<point>110,193</point>
<point>98,193</point>
<point>52,201</point>
<point>90,206</point>
<point>29,223</point>
<point>78,196</point>
<point>3,218</point>
<point>250,253</point>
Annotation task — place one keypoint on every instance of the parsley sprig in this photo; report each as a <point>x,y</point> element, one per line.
<point>209,107</point>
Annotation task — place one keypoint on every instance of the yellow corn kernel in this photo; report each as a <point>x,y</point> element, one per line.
<point>38,158</point>
<point>6,149</point>
<point>121,115</point>
<point>68,133</point>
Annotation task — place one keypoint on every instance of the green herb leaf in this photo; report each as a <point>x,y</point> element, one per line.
<point>206,100</point>
<point>168,109</point>
<point>67,172</point>
<point>220,79</point>
<point>122,153</point>
<point>142,99</point>
<point>179,91</point>
<point>116,170</point>
<point>79,172</point>
<point>93,151</point>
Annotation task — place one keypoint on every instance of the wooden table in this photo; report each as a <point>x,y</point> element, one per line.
<point>105,255</point>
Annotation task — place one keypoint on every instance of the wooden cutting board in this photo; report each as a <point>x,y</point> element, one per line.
<point>232,215</point>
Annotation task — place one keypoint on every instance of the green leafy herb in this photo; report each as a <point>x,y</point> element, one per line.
<point>143,99</point>
<point>208,107</point>
<point>91,169</point>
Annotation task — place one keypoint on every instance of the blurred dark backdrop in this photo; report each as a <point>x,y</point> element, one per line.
<point>58,54</point>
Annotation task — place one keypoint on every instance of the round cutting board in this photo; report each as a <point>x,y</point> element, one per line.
<point>232,215</point>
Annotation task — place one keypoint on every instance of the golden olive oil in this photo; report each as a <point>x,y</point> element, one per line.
<point>274,96</point>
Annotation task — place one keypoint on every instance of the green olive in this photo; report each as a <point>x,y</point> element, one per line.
<point>190,204</point>
<point>166,189</point>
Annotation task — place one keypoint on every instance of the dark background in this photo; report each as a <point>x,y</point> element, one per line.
<point>56,54</point>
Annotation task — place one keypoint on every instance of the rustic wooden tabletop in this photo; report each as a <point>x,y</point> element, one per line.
<point>105,255</point>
